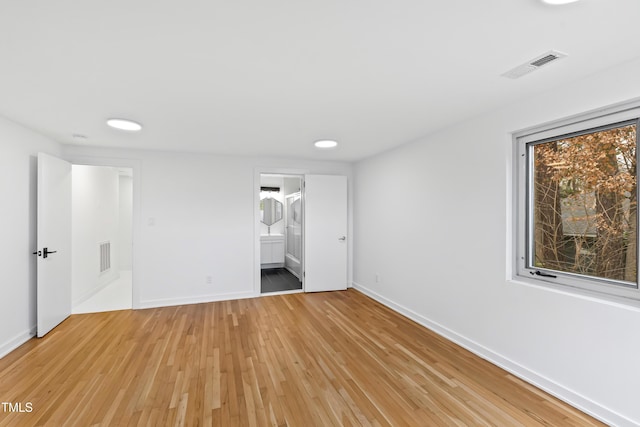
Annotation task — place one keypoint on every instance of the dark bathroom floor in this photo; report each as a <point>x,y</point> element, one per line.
<point>277,280</point>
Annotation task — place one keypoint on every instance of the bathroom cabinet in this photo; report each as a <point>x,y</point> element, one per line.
<point>272,250</point>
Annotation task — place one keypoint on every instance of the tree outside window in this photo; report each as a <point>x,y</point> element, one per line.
<point>584,205</point>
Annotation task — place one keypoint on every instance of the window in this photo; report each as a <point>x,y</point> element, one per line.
<point>577,196</point>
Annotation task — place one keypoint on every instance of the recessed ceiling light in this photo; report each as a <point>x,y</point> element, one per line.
<point>325,143</point>
<point>558,2</point>
<point>124,124</point>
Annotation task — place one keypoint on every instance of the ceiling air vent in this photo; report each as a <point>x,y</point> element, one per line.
<point>534,64</point>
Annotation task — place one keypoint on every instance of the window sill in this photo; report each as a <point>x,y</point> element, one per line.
<point>610,300</point>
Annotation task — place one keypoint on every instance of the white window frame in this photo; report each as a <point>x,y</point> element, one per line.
<point>522,179</point>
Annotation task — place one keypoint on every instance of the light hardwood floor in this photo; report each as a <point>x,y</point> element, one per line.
<point>325,359</point>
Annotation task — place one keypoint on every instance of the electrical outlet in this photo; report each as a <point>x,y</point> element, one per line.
<point>209,280</point>
<point>377,278</point>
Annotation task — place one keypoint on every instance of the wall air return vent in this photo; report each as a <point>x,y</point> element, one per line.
<point>105,257</point>
<point>534,64</point>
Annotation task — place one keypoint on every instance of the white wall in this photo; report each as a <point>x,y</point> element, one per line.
<point>291,185</point>
<point>431,219</point>
<point>95,213</point>
<point>18,171</point>
<point>125,222</point>
<point>197,219</point>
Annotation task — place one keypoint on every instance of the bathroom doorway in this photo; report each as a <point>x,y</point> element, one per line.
<point>281,233</point>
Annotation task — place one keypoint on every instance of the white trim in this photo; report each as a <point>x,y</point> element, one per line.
<point>520,193</point>
<point>257,172</point>
<point>579,117</point>
<point>272,265</point>
<point>563,393</point>
<point>585,294</point>
<point>611,116</point>
<point>17,341</point>
<point>136,225</point>
<point>92,292</point>
<point>511,221</point>
<point>168,302</point>
<point>290,270</point>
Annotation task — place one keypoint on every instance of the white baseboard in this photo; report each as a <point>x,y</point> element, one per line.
<point>290,270</point>
<point>94,291</point>
<point>16,342</point>
<point>167,302</point>
<point>565,394</point>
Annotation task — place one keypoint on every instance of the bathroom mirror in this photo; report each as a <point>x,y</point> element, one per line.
<point>271,211</point>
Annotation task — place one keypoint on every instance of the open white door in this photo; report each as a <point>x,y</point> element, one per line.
<point>325,233</point>
<point>54,242</point>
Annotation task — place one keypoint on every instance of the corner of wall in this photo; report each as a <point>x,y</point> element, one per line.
<point>17,341</point>
<point>563,393</point>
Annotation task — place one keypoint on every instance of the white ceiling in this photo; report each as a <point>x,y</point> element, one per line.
<point>269,78</point>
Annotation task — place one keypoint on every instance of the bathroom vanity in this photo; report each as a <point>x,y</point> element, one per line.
<point>272,250</point>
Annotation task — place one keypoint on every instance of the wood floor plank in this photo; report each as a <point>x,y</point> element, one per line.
<point>324,359</point>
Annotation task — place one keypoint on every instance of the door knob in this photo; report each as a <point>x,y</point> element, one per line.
<point>46,252</point>
<point>342,239</point>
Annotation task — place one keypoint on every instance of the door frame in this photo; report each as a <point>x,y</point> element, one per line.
<point>299,173</point>
<point>136,221</point>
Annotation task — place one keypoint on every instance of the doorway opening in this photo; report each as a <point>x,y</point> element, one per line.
<point>281,234</point>
<point>102,232</point>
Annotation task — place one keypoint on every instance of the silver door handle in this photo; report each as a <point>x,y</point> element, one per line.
<point>342,239</point>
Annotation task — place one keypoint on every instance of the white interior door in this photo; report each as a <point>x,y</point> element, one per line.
<point>325,226</point>
<point>54,242</point>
